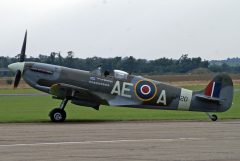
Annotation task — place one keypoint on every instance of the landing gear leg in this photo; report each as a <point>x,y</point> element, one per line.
<point>212,117</point>
<point>58,114</point>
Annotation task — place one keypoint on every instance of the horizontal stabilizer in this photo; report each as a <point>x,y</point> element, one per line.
<point>208,98</point>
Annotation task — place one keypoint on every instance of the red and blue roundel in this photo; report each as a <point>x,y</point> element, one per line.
<point>145,90</point>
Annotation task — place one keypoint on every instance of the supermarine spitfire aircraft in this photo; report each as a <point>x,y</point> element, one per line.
<point>119,88</point>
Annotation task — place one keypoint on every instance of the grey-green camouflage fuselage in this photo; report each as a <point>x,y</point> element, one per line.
<point>121,89</point>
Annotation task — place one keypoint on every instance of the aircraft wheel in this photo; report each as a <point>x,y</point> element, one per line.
<point>57,115</point>
<point>214,117</point>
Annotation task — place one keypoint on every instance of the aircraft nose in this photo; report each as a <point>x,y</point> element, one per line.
<point>16,66</point>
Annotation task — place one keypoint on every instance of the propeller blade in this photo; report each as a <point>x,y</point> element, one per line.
<point>22,55</point>
<point>17,78</point>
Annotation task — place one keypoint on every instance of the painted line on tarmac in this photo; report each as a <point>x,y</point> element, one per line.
<point>101,142</point>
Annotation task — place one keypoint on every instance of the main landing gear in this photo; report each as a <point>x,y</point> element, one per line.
<point>212,117</point>
<point>58,114</point>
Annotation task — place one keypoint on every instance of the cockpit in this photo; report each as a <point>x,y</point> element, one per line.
<point>116,74</point>
<point>119,74</point>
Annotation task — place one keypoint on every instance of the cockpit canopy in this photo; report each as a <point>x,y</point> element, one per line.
<point>117,74</point>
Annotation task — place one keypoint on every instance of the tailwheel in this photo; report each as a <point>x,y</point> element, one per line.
<point>212,117</point>
<point>57,115</point>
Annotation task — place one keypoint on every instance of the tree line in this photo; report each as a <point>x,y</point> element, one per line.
<point>130,64</point>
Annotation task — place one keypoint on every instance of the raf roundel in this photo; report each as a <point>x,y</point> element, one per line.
<point>145,90</point>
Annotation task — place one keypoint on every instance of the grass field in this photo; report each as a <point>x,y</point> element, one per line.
<point>36,109</point>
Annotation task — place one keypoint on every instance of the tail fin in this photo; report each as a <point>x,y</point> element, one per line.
<point>219,90</point>
<point>213,89</point>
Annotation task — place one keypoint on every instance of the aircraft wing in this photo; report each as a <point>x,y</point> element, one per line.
<point>115,100</point>
<point>62,90</point>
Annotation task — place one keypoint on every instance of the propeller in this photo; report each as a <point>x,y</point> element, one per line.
<point>17,78</point>
<point>21,59</point>
<point>22,55</point>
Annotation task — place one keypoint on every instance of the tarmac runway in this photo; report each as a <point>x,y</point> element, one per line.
<point>146,141</point>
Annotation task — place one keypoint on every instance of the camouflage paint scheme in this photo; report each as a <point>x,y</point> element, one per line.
<point>121,89</point>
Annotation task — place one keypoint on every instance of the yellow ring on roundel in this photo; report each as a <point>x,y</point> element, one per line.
<point>155,87</point>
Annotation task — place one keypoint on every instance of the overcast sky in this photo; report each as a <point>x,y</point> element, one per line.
<point>147,29</point>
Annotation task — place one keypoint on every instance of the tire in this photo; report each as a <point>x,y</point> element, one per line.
<point>214,117</point>
<point>57,115</point>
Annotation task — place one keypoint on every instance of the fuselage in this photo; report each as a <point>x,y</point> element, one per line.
<point>117,89</point>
